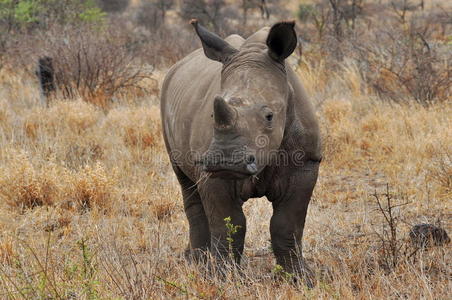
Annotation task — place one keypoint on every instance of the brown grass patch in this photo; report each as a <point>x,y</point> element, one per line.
<point>92,188</point>
<point>24,186</point>
<point>7,251</point>
<point>71,173</point>
<point>163,210</point>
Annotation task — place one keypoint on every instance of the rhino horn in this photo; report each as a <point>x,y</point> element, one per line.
<point>224,114</point>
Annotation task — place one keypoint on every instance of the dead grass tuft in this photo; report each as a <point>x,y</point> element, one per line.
<point>163,209</point>
<point>92,188</point>
<point>440,172</point>
<point>7,251</point>
<point>24,186</point>
<point>139,127</point>
<point>336,111</point>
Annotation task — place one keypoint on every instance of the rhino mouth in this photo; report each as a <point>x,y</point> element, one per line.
<point>231,169</point>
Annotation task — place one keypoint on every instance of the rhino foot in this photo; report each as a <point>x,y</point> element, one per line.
<point>213,266</point>
<point>295,270</point>
<point>196,256</point>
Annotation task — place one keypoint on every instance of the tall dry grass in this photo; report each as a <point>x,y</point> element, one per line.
<point>90,209</point>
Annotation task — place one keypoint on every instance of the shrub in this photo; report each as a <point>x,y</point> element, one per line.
<point>399,63</point>
<point>397,59</point>
<point>167,45</point>
<point>152,14</point>
<point>19,18</point>
<point>305,12</point>
<point>113,6</point>
<point>208,12</point>
<point>90,62</point>
<point>26,15</point>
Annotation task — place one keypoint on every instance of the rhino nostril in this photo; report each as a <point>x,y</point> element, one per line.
<point>250,159</point>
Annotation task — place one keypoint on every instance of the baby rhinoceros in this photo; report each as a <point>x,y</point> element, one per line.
<point>237,124</point>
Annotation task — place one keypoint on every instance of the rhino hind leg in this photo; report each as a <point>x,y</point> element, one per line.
<point>287,222</point>
<point>199,242</point>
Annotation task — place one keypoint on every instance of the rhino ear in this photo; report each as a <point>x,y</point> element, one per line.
<point>281,40</point>
<point>214,46</point>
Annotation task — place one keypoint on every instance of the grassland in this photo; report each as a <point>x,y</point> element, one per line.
<point>89,205</point>
<point>90,209</point>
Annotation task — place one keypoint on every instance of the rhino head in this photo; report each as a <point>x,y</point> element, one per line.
<point>250,111</point>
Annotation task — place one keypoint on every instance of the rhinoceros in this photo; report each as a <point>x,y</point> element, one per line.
<point>237,124</point>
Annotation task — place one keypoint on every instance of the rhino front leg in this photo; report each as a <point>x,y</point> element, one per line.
<point>287,222</point>
<point>221,201</point>
<point>198,225</point>
<point>199,228</point>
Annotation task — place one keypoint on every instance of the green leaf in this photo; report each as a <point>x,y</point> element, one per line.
<point>26,12</point>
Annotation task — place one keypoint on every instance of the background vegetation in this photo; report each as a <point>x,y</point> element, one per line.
<point>90,209</point>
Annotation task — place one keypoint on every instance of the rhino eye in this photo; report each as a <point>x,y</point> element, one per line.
<point>269,116</point>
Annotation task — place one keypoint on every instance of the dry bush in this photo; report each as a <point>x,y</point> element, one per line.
<point>70,121</point>
<point>167,45</point>
<point>332,24</point>
<point>392,245</point>
<point>151,14</point>
<point>397,60</point>
<point>402,7</point>
<point>311,70</point>
<point>76,136</point>
<point>384,134</point>
<point>96,64</point>
<point>5,122</point>
<point>207,12</point>
<point>404,63</point>
<point>113,6</point>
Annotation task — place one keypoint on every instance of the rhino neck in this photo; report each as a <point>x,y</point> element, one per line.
<point>293,127</point>
<point>299,135</point>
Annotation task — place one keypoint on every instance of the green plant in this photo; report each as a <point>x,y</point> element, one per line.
<point>26,15</point>
<point>231,230</point>
<point>91,13</point>
<point>279,271</point>
<point>88,272</point>
<point>26,12</point>
<point>37,282</point>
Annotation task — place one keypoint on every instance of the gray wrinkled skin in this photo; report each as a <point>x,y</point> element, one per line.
<point>239,98</point>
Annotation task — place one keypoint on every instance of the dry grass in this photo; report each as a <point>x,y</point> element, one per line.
<point>90,209</point>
